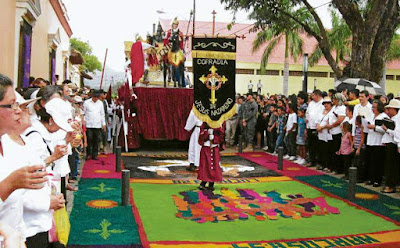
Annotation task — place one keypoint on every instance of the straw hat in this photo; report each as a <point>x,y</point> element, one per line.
<point>393,104</point>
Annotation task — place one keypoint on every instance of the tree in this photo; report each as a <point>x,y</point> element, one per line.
<point>372,24</point>
<point>91,62</point>
<point>272,36</point>
<point>339,41</point>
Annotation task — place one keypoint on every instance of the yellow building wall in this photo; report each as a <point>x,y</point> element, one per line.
<point>274,84</point>
<point>40,46</point>
<point>7,37</point>
<point>46,24</point>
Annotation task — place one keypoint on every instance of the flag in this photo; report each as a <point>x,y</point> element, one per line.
<point>108,96</point>
<point>214,69</point>
<point>137,61</point>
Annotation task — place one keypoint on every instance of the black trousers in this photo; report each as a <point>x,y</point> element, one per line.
<point>312,143</point>
<point>39,240</point>
<point>324,152</point>
<point>375,163</point>
<point>359,161</point>
<point>392,165</point>
<point>346,160</point>
<point>272,136</point>
<point>72,163</point>
<point>334,162</point>
<point>93,137</point>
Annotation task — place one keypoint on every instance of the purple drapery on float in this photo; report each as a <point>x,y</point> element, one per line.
<point>27,59</point>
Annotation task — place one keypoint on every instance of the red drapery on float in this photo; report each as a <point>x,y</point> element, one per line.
<point>161,115</point>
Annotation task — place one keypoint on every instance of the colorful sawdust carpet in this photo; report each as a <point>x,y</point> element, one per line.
<point>254,212</point>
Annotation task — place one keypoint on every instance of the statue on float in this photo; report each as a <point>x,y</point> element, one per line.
<point>174,56</point>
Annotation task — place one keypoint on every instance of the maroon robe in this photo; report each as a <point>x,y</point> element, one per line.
<point>209,168</point>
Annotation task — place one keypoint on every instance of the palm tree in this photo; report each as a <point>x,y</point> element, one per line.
<point>273,36</point>
<point>339,41</point>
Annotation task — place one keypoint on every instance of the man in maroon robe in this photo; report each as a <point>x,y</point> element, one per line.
<point>210,171</point>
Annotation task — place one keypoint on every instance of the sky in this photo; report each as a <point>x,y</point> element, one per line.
<point>107,24</point>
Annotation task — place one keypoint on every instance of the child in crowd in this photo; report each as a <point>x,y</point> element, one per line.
<point>301,136</point>
<point>280,128</point>
<point>272,128</point>
<point>290,138</point>
<point>210,171</point>
<point>359,144</point>
<point>346,148</point>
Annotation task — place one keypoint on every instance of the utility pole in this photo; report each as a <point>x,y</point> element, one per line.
<point>104,66</point>
<point>213,28</point>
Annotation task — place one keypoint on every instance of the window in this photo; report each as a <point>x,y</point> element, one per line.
<point>390,77</point>
<point>52,64</point>
<point>24,63</point>
<point>317,74</point>
<point>295,73</point>
<point>245,71</point>
<point>268,72</point>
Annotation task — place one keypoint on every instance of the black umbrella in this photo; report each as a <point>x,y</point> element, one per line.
<point>360,84</point>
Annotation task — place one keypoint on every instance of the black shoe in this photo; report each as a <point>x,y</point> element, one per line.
<point>320,168</point>
<point>376,185</point>
<point>369,183</point>
<point>202,188</point>
<point>191,167</point>
<point>211,188</point>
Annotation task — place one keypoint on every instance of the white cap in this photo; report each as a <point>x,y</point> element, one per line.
<point>58,110</point>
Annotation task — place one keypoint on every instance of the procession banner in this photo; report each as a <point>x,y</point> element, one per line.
<point>214,67</point>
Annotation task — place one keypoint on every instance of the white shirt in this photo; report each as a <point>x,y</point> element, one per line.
<point>375,135</point>
<point>336,112</point>
<point>250,86</point>
<point>292,119</point>
<point>194,147</point>
<point>11,212</point>
<point>313,111</point>
<point>388,137</point>
<point>37,215</point>
<point>259,85</point>
<point>323,120</point>
<point>366,112</point>
<point>94,114</point>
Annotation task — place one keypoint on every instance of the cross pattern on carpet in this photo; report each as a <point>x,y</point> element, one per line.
<point>102,188</point>
<point>327,183</point>
<point>104,232</point>
<point>205,206</point>
<point>395,208</point>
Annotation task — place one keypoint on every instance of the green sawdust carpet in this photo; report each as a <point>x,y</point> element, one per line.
<point>97,217</point>
<point>379,203</point>
<point>178,214</point>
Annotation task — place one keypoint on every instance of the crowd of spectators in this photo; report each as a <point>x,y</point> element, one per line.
<point>43,132</point>
<point>331,131</point>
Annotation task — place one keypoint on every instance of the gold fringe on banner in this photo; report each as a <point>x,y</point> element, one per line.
<point>213,55</point>
<point>211,123</point>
